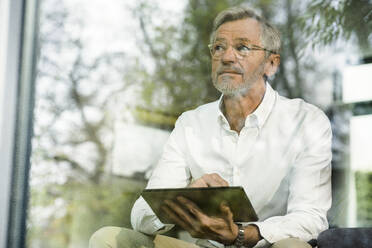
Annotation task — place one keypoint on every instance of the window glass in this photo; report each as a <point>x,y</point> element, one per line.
<point>113,77</point>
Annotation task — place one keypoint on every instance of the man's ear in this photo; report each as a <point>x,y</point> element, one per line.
<point>272,64</point>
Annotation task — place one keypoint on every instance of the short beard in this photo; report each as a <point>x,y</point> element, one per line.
<point>226,87</point>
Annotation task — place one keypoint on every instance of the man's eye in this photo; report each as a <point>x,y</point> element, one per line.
<point>218,47</point>
<point>242,48</point>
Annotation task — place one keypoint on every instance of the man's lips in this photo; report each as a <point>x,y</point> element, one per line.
<point>229,72</point>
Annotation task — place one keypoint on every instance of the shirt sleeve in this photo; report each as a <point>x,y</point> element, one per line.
<point>309,187</point>
<point>170,172</point>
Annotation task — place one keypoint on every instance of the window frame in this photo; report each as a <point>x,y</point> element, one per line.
<point>18,43</point>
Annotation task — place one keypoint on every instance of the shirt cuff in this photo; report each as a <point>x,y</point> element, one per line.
<point>152,225</point>
<point>266,233</point>
<point>263,243</point>
<point>160,227</point>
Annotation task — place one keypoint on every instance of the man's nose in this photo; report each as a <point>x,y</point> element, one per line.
<point>229,55</point>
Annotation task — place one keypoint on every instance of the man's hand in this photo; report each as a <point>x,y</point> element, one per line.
<point>209,180</point>
<point>187,215</point>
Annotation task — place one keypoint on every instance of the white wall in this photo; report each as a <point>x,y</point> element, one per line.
<point>357,83</point>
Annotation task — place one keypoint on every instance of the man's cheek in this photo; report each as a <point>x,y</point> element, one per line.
<point>214,76</point>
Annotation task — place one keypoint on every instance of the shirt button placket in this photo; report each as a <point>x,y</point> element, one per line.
<point>236,179</point>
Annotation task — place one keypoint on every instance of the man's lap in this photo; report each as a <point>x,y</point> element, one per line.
<point>117,237</point>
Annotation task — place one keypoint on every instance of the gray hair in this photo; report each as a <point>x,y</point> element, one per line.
<point>270,36</point>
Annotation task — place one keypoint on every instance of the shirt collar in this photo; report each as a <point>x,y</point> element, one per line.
<point>221,117</point>
<point>260,115</point>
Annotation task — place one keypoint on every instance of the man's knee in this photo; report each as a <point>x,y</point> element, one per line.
<point>104,237</point>
<point>291,243</point>
<point>118,237</point>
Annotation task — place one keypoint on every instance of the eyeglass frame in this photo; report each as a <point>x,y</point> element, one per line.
<point>252,47</point>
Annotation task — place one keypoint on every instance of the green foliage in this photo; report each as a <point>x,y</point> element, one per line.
<point>156,119</point>
<point>84,209</point>
<point>363,181</point>
<point>326,21</point>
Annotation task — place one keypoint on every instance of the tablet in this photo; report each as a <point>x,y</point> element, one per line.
<point>207,199</point>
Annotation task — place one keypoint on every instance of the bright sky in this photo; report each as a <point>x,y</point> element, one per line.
<point>110,26</point>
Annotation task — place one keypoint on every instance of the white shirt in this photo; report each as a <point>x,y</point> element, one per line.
<point>282,159</point>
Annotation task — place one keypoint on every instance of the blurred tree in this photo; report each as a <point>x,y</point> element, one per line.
<point>326,21</point>
<point>73,129</point>
<point>76,95</point>
<point>363,181</point>
<point>67,215</point>
<point>73,115</point>
<point>324,24</point>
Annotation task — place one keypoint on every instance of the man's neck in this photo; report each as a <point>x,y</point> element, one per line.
<point>237,108</point>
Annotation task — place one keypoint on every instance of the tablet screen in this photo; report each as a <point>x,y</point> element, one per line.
<point>208,199</point>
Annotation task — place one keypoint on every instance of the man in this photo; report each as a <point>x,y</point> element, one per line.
<point>278,149</point>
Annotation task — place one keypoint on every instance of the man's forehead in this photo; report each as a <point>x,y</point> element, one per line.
<point>247,29</point>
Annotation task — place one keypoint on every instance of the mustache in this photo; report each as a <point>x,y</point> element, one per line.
<point>232,69</point>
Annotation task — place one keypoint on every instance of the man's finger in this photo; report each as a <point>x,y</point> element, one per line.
<point>199,183</point>
<point>182,213</point>
<point>226,212</point>
<point>214,180</point>
<point>192,207</point>
<point>175,218</point>
<point>220,180</point>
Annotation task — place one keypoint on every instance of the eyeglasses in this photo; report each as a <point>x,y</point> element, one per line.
<point>218,49</point>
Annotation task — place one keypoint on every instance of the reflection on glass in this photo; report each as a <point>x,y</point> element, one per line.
<point>113,78</point>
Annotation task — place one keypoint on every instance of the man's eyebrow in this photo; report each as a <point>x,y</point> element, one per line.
<point>243,39</point>
<point>220,39</point>
<point>237,39</point>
